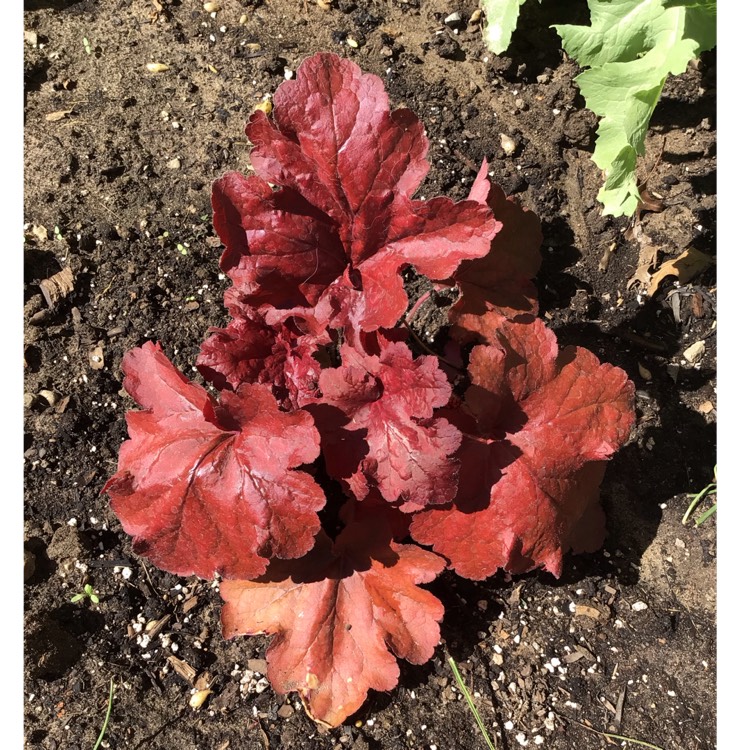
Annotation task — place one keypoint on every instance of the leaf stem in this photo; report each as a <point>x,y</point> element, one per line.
<point>415,307</point>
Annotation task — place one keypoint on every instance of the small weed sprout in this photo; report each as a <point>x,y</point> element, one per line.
<point>708,491</point>
<point>88,593</point>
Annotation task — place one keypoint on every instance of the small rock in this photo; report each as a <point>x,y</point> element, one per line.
<point>174,164</point>
<point>706,407</point>
<point>49,396</point>
<point>695,351</point>
<point>28,400</point>
<point>285,711</point>
<point>65,545</point>
<point>639,606</point>
<point>454,20</point>
<point>507,144</point>
<point>257,665</point>
<point>544,78</point>
<point>42,318</point>
<point>521,104</point>
<point>96,357</point>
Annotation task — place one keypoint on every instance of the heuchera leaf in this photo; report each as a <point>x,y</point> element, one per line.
<point>531,468</point>
<point>389,401</point>
<point>249,350</point>
<point>344,224</point>
<point>207,487</point>
<point>502,279</point>
<point>339,618</point>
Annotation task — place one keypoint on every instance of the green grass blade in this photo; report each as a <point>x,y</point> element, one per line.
<point>709,489</point>
<point>461,684</point>
<point>704,516</point>
<point>109,713</point>
<point>621,737</point>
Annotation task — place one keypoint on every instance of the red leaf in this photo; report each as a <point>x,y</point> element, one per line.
<point>336,142</point>
<point>528,488</point>
<point>251,351</point>
<point>336,616</point>
<point>336,236</point>
<point>280,250</point>
<point>389,401</point>
<point>502,279</point>
<point>206,487</point>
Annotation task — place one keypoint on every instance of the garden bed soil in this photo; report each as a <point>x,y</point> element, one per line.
<point>119,165</point>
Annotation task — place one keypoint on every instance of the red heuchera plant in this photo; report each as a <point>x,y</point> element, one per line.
<point>315,379</point>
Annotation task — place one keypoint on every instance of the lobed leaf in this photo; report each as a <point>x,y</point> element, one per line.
<point>339,618</point>
<point>330,244</point>
<point>206,487</point>
<point>502,279</point>
<point>385,404</point>
<point>532,462</point>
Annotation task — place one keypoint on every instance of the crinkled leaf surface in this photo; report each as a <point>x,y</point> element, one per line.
<point>335,237</point>
<point>630,48</point>
<point>389,402</point>
<point>249,350</point>
<point>340,617</point>
<point>207,487</point>
<point>531,467</point>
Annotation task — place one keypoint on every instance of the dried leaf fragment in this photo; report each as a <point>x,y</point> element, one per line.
<point>59,115</point>
<point>685,267</point>
<point>594,612</point>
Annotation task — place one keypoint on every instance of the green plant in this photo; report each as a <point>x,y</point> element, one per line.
<point>708,491</point>
<point>629,50</point>
<point>87,593</point>
<point>462,685</point>
<point>109,712</point>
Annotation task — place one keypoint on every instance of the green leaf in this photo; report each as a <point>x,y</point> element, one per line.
<point>630,49</point>
<point>502,18</point>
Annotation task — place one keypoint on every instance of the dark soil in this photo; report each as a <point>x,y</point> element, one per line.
<point>118,190</point>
